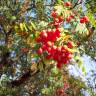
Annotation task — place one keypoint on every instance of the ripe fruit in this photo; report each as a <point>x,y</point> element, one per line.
<point>60,18</point>
<point>60,91</point>
<point>44,34</point>
<point>59,65</point>
<point>70,45</point>
<point>66,86</point>
<point>68,19</point>
<point>40,51</point>
<point>56,20</point>
<point>72,16</point>
<point>84,19</point>
<point>54,14</point>
<point>57,33</point>
<point>67,4</point>
<point>48,57</point>
<point>49,44</point>
<point>47,39</point>
<point>70,56</point>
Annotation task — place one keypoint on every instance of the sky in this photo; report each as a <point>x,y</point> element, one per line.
<point>90,66</point>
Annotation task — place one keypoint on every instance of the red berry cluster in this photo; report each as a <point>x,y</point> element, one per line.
<point>59,54</point>
<point>84,19</point>
<point>68,19</point>
<point>48,38</point>
<point>48,35</point>
<point>61,91</point>
<point>57,19</point>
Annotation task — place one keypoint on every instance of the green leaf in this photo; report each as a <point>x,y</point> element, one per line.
<point>45,90</point>
<point>55,70</point>
<point>92,19</point>
<point>58,1</point>
<point>84,70</point>
<point>13,18</point>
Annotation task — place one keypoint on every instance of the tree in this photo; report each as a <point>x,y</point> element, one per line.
<point>38,39</point>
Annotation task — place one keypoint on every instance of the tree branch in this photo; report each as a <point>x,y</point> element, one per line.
<point>23,78</point>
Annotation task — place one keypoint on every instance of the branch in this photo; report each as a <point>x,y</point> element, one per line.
<point>76,4</point>
<point>24,7</point>
<point>23,78</point>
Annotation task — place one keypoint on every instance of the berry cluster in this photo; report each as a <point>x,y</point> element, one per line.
<point>62,90</point>
<point>84,19</point>
<point>48,35</point>
<point>47,39</point>
<point>68,19</point>
<point>60,54</point>
<point>57,20</point>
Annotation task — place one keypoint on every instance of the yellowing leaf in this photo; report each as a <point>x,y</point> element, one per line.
<point>33,25</point>
<point>67,37</point>
<point>34,68</point>
<point>59,9</point>
<point>66,13</point>
<point>25,27</point>
<point>21,26</point>
<point>81,28</point>
<point>40,66</point>
<point>16,27</point>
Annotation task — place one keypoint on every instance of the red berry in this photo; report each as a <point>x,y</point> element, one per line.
<point>59,65</point>
<point>38,39</point>
<point>60,18</point>
<point>44,34</point>
<point>59,49</point>
<point>54,14</point>
<point>60,91</point>
<point>48,49</point>
<point>72,16</point>
<point>56,24</point>
<point>69,56</point>
<point>86,19</point>
<point>57,33</point>
<point>68,19</point>
<point>40,51</point>
<point>44,47</point>
<point>49,44</point>
<point>66,85</point>
<point>56,20</point>
<point>68,4</point>
<point>65,61</point>
<point>82,20</point>
<point>48,57</point>
<point>54,47</point>
<point>70,44</point>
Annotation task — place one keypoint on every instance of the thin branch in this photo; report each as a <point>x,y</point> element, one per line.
<point>76,4</point>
